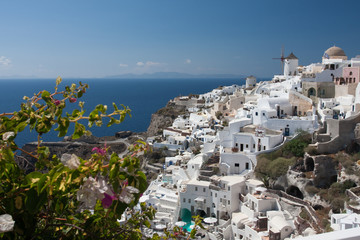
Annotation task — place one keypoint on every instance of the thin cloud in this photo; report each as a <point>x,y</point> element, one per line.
<point>5,61</point>
<point>148,64</point>
<point>188,61</point>
<point>123,65</point>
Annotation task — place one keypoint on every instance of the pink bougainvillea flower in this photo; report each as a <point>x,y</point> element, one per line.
<point>125,183</point>
<point>72,100</point>
<point>99,150</point>
<point>57,102</point>
<point>107,200</point>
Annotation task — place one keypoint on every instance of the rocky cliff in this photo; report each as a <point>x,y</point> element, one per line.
<point>163,118</point>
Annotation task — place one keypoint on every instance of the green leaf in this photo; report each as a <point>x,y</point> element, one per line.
<point>33,201</point>
<point>33,178</point>
<point>7,153</point>
<point>79,130</point>
<point>46,96</point>
<point>75,113</point>
<point>63,126</point>
<point>112,122</point>
<point>20,127</point>
<point>42,183</point>
<point>80,93</point>
<point>119,207</point>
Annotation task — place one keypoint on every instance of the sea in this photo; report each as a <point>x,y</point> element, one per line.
<point>142,96</point>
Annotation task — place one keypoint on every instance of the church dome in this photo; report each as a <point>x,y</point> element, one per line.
<point>335,52</point>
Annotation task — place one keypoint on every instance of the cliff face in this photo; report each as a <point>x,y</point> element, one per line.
<point>164,118</point>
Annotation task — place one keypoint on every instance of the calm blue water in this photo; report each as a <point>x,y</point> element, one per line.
<point>142,96</point>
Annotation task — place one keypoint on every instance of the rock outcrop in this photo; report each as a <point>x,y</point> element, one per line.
<point>163,118</point>
<point>323,168</point>
<point>81,147</point>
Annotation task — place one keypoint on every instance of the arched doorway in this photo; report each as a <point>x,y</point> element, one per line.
<point>185,215</point>
<point>309,164</point>
<point>294,191</point>
<point>311,92</point>
<point>201,213</point>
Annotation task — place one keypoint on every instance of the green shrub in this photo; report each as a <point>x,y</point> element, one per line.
<point>261,167</point>
<point>276,163</point>
<point>311,150</point>
<point>304,215</point>
<point>296,146</point>
<point>337,204</point>
<point>279,167</point>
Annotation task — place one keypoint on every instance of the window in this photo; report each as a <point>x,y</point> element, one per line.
<point>237,165</point>
<point>195,188</point>
<point>228,188</point>
<point>204,200</point>
<point>189,201</point>
<point>253,145</point>
<point>215,194</point>
<point>184,200</point>
<point>224,196</point>
<point>264,148</point>
<point>211,194</point>
<point>204,189</point>
<point>350,73</point>
<point>247,145</point>
<point>256,113</point>
<point>228,202</point>
<point>263,114</point>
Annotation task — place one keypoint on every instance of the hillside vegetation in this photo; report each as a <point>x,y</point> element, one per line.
<point>276,163</point>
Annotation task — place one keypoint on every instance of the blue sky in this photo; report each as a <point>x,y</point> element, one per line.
<point>86,38</point>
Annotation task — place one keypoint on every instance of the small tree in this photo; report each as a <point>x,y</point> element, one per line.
<point>67,197</point>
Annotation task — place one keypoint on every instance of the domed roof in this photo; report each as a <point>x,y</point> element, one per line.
<point>335,51</point>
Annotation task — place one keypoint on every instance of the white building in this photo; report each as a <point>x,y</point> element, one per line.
<point>344,221</point>
<point>195,199</point>
<point>250,82</point>
<point>291,64</point>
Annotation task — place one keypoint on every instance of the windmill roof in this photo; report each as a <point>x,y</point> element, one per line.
<point>291,56</point>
